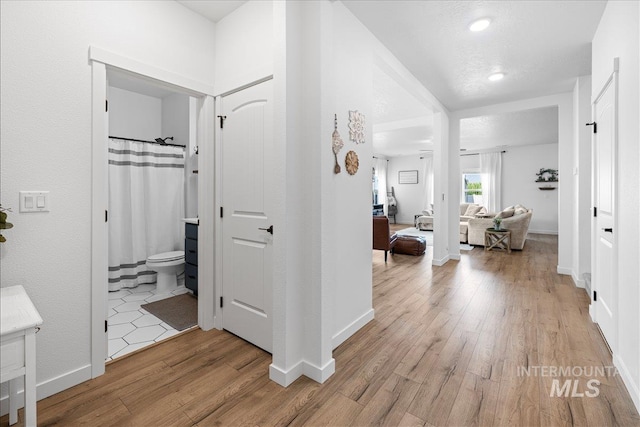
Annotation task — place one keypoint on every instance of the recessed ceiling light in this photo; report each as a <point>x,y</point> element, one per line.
<point>496,76</point>
<point>480,25</point>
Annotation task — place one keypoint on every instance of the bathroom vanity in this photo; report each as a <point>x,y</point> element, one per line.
<point>191,254</point>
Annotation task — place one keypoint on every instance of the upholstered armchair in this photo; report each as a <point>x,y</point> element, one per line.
<point>383,239</point>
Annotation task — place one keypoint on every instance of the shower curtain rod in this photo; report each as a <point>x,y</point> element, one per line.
<point>148,142</point>
<point>477,154</point>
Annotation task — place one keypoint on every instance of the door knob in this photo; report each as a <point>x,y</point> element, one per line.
<point>608,230</point>
<point>268,230</point>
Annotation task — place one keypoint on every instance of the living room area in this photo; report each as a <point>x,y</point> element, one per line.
<point>508,170</point>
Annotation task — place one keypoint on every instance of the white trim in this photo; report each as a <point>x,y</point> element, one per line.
<point>194,88</point>
<point>218,221</point>
<point>99,231</point>
<point>455,257</point>
<point>51,387</point>
<point>564,271</point>
<point>549,232</point>
<point>576,281</point>
<point>352,328</point>
<point>440,262</point>
<point>627,379</point>
<point>309,370</point>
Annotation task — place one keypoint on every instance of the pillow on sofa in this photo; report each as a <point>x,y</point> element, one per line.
<point>507,213</point>
<point>482,211</point>
<point>472,210</point>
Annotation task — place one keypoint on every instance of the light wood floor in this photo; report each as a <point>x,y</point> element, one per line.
<point>444,349</point>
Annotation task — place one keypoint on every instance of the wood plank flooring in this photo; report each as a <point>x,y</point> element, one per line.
<point>445,349</point>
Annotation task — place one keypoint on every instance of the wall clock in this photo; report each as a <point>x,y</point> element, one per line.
<point>351,162</point>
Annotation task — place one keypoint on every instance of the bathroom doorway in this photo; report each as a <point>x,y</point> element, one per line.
<point>152,197</point>
<point>112,74</point>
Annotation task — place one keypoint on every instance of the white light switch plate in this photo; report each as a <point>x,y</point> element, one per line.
<point>34,201</point>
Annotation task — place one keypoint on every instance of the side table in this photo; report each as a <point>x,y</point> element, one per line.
<point>497,239</point>
<point>19,322</point>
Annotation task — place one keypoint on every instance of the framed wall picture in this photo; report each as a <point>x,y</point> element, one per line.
<point>408,177</point>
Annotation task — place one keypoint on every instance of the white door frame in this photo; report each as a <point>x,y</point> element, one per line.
<point>593,310</point>
<point>100,61</point>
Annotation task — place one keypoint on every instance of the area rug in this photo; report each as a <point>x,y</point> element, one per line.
<point>180,312</point>
<point>412,231</point>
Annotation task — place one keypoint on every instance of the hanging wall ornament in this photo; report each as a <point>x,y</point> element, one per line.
<point>356,127</point>
<point>336,143</point>
<point>351,162</point>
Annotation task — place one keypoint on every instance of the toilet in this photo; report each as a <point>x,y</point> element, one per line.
<point>168,265</point>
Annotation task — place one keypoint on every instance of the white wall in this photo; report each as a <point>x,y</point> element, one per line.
<point>244,46</point>
<point>617,36</point>
<point>45,81</point>
<point>133,115</point>
<point>519,168</point>
<point>410,197</point>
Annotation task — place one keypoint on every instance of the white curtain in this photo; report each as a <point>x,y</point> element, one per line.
<point>381,173</point>
<point>146,204</point>
<point>427,173</point>
<point>491,175</point>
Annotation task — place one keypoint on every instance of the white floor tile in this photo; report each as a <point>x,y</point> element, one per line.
<point>126,317</point>
<point>131,348</point>
<point>148,333</point>
<point>146,320</point>
<point>147,287</point>
<point>119,331</point>
<point>128,306</point>
<point>119,294</point>
<point>113,303</point>
<point>116,345</point>
<point>111,312</point>
<point>137,296</point>
<point>158,297</point>
<point>167,334</point>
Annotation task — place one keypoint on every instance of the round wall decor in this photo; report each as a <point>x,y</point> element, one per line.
<point>351,162</point>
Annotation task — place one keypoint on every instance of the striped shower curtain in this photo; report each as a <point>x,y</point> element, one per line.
<point>146,204</point>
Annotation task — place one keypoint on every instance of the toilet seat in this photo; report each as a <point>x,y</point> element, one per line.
<point>166,257</point>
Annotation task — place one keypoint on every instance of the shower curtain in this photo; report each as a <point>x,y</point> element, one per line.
<point>146,204</point>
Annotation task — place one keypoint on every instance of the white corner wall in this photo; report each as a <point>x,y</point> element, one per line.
<point>519,168</point>
<point>45,81</point>
<point>410,197</point>
<point>617,36</point>
<point>133,115</point>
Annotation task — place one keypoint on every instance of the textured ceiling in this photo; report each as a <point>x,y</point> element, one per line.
<point>213,10</point>
<point>528,127</point>
<point>541,46</point>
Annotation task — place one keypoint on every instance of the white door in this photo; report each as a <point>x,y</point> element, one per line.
<point>247,162</point>
<point>604,152</point>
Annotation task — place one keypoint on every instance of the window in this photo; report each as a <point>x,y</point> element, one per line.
<point>471,188</point>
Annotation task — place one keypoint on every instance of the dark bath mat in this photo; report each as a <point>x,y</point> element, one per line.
<point>181,311</point>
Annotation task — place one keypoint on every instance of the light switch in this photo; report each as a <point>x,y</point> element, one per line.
<point>34,201</point>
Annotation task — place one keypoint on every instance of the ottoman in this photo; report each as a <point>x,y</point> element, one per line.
<point>410,245</point>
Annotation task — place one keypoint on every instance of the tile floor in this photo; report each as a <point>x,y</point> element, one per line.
<point>131,327</point>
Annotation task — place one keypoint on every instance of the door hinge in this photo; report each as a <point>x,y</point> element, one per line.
<point>106,326</point>
<point>106,105</point>
<point>595,296</point>
<point>106,215</point>
<point>221,302</point>
<point>221,212</point>
<point>595,211</point>
<point>222,119</point>
<point>595,126</point>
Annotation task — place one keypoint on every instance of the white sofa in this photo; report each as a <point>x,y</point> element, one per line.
<point>518,224</point>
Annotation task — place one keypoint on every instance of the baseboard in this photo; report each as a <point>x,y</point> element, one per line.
<point>578,282</point>
<point>352,328</point>
<point>50,387</point>
<point>455,257</point>
<point>551,232</point>
<point>627,379</point>
<point>316,373</point>
<point>564,270</point>
<point>440,262</point>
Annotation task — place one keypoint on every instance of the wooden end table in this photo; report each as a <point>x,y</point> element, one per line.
<point>497,239</point>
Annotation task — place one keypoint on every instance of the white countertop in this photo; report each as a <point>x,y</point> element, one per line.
<point>190,220</point>
<point>17,312</point>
